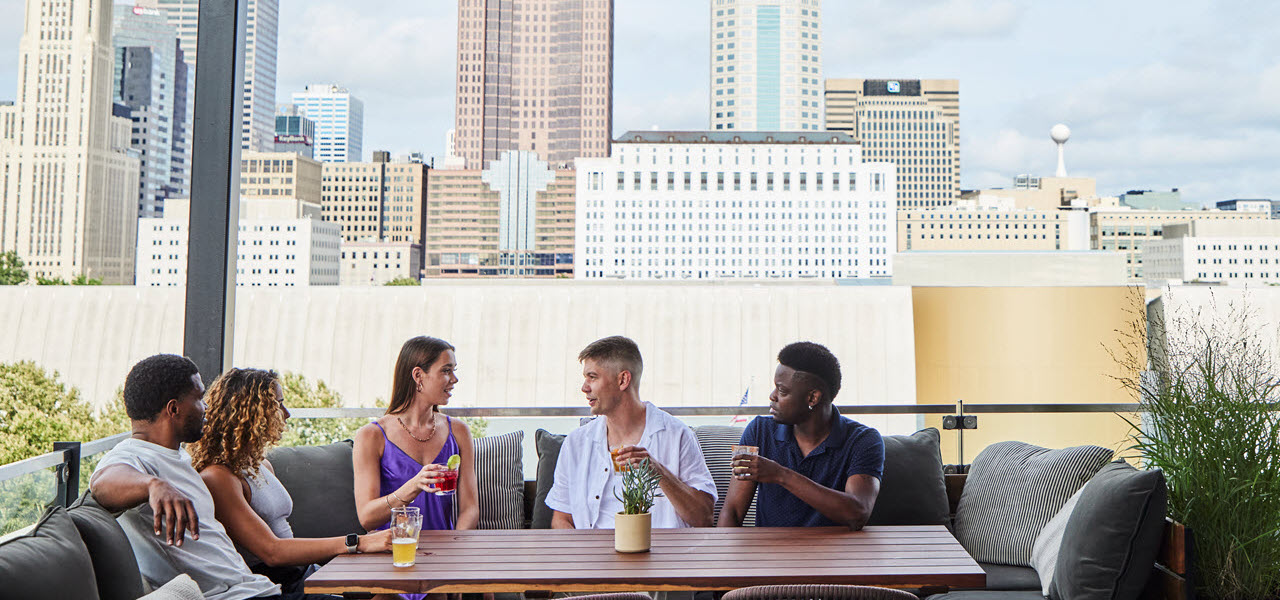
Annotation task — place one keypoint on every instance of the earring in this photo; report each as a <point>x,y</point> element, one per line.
<point>419,387</point>
<point>810,407</point>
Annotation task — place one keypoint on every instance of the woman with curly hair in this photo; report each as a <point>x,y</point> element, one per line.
<point>245,416</point>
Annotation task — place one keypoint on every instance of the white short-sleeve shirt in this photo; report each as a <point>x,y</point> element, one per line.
<point>582,477</point>
<point>212,561</point>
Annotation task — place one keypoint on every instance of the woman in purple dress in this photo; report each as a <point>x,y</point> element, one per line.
<point>399,458</point>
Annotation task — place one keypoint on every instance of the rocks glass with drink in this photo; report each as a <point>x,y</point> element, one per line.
<point>738,450</point>
<point>448,482</point>
<point>406,524</point>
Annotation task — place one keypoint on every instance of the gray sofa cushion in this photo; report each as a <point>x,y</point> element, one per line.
<point>1008,577</point>
<point>114,566</point>
<point>548,446</point>
<point>990,595</point>
<point>500,480</point>
<point>716,442</point>
<point>321,481</point>
<point>1013,490</point>
<point>1113,536</point>
<point>913,490</point>
<point>50,561</point>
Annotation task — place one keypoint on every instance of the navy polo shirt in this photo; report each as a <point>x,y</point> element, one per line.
<point>850,449</point>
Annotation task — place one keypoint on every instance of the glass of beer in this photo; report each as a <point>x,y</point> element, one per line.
<point>618,467</point>
<point>406,524</point>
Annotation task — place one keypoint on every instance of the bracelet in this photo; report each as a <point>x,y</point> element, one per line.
<point>402,500</point>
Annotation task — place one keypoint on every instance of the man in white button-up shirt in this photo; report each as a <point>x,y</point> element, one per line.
<point>583,495</point>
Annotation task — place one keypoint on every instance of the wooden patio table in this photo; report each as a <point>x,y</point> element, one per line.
<point>569,560</point>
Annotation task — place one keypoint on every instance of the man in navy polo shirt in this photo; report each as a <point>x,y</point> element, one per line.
<point>815,467</point>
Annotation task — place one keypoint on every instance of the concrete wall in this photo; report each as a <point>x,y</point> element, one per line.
<point>703,344</point>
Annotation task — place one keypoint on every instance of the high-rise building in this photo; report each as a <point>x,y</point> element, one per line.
<point>534,76</point>
<point>766,65</point>
<point>261,42</point>
<point>1225,252</point>
<point>70,180</point>
<point>970,226</point>
<point>153,80</point>
<point>295,133</point>
<point>282,242</point>
<point>279,175</point>
<point>754,205</point>
<point>379,201</point>
<point>339,122</point>
<point>514,219</point>
<point>1128,230</point>
<point>912,123</point>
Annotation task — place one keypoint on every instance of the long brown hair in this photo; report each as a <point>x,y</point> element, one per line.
<point>242,420</point>
<point>420,352</point>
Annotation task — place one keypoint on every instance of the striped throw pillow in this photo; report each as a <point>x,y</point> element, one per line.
<point>500,480</point>
<point>1013,490</point>
<point>715,441</point>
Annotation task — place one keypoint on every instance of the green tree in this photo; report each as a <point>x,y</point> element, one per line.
<point>403,281</point>
<point>78,280</point>
<point>82,280</point>
<point>12,270</point>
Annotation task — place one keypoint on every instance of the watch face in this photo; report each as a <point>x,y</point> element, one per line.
<point>353,541</point>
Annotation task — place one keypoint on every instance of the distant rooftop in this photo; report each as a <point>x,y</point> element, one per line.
<point>736,137</point>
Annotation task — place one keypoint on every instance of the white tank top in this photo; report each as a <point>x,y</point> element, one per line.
<point>273,504</point>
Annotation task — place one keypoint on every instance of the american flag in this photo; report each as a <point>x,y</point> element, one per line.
<point>740,418</point>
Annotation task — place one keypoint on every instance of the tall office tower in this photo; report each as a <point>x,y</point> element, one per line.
<point>295,133</point>
<point>514,219</point>
<point>766,65</point>
<point>719,204</point>
<point>261,42</point>
<point>912,123</point>
<point>339,119</point>
<point>70,180</point>
<point>151,79</point>
<point>379,201</point>
<point>534,76</point>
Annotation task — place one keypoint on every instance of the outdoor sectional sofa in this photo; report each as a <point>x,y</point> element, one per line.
<point>1110,542</point>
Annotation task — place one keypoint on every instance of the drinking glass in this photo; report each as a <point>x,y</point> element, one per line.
<point>406,524</point>
<point>448,482</point>
<point>739,450</point>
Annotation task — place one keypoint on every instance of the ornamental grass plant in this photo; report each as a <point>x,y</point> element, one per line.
<point>639,488</point>
<point>1209,420</point>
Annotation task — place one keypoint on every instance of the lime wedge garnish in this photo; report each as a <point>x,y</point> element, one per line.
<point>454,461</point>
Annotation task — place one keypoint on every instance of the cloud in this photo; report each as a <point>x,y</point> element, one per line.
<point>886,29</point>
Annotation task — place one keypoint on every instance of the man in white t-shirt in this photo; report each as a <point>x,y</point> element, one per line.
<point>150,478</point>
<point>583,495</point>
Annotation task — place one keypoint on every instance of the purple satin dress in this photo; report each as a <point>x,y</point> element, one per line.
<point>398,467</point>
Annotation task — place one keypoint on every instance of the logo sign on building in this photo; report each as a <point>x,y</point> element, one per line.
<point>893,87</point>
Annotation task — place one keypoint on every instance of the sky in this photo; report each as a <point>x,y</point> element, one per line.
<point>1158,94</point>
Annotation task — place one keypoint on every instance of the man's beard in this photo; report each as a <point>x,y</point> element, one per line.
<point>193,429</point>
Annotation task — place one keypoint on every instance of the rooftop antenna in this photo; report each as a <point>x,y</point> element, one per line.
<point>1060,134</point>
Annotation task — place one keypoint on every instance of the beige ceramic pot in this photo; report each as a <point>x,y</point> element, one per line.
<point>631,532</point>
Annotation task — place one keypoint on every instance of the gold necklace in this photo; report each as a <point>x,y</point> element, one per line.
<point>429,436</point>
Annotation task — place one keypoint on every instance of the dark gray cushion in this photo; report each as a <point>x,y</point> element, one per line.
<point>1012,491</point>
<point>499,461</point>
<point>990,595</point>
<point>1113,535</point>
<point>114,565</point>
<point>548,446</point>
<point>913,490</point>
<point>322,483</point>
<point>1008,577</point>
<point>717,443</point>
<point>50,561</point>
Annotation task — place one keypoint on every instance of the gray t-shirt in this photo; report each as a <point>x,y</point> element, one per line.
<point>211,560</point>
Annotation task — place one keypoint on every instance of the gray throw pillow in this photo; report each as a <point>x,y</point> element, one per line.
<point>114,565</point>
<point>321,481</point>
<point>500,480</point>
<point>717,443</point>
<point>913,490</point>
<point>1012,491</point>
<point>49,561</point>
<point>548,446</point>
<point>1112,536</point>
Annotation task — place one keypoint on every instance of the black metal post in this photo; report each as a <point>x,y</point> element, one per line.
<point>68,473</point>
<point>215,186</point>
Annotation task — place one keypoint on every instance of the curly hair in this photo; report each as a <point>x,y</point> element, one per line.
<point>242,420</point>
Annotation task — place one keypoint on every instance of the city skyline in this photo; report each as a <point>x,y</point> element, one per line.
<point>1152,101</point>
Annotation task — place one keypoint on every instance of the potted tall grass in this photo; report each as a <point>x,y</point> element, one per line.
<point>1209,419</point>
<point>633,525</point>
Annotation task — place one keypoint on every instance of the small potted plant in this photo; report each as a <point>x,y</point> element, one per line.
<point>632,526</point>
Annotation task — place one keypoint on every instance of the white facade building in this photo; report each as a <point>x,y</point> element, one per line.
<point>711,205</point>
<point>261,44</point>
<point>282,243</point>
<point>766,65</point>
<point>376,263</point>
<point>1225,252</point>
<point>68,178</point>
<point>339,122</point>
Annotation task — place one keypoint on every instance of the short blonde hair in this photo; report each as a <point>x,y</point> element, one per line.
<point>618,352</point>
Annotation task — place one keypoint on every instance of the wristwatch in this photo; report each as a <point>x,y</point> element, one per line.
<point>353,543</point>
